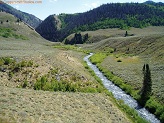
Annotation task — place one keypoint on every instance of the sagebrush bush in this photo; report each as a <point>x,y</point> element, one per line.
<point>25,83</point>
<point>1,62</point>
<point>119,60</point>
<point>71,86</point>
<point>131,112</point>
<point>155,107</point>
<point>7,60</point>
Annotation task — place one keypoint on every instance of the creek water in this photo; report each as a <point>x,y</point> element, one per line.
<point>120,94</point>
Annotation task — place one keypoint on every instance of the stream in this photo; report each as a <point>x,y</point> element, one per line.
<point>120,94</point>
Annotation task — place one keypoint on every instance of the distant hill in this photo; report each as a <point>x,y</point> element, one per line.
<point>13,29</point>
<point>27,18</point>
<point>114,15</point>
<point>48,28</point>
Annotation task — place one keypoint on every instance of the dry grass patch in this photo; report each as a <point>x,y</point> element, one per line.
<point>39,106</point>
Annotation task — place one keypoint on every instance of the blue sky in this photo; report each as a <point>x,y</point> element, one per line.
<point>48,7</point>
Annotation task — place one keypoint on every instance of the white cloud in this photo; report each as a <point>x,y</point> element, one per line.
<point>52,1</point>
<point>92,5</point>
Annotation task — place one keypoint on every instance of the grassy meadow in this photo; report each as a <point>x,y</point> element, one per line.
<point>124,65</point>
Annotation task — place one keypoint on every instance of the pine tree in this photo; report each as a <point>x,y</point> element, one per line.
<point>147,85</point>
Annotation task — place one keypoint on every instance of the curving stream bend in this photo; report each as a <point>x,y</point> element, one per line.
<point>120,94</point>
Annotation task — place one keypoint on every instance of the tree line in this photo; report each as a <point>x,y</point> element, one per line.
<point>77,39</point>
<point>116,15</point>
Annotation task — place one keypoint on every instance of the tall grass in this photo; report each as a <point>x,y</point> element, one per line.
<point>98,58</point>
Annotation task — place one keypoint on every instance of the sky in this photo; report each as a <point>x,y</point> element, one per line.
<point>44,8</point>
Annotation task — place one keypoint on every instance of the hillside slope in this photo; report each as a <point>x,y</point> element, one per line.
<point>147,46</point>
<point>29,60</point>
<point>114,15</point>
<point>11,28</point>
<point>39,106</point>
<point>27,18</point>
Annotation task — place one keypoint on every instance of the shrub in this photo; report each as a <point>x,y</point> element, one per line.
<point>156,108</point>
<point>37,85</point>
<point>91,90</point>
<point>7,60</point>
<point>11,74</point>
<point>159,110</point>
<point>1,61</point>
<point>6,35</point>
<point>30,63</point>
<point>47,87</point>
<point>162,117</point>
<point>25,84</point>
<point>151,104</point>
<point>119,60</point>
<point>43,81</point>
<point>118,81</point>
<point>16,68</point>
<point>98,58</point>
<point>23,64</point>
<point>40,83</point>
<point>131,112</point>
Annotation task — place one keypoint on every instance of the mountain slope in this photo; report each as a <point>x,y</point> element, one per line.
<point>48,28</point>
<point>10,27</point>
<point>114,15</point>
<point>27,18</point>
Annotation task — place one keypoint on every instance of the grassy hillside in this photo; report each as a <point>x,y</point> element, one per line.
<point>25,17</point>
<point>146,46</point>
<point>39,106</point>
<point>11,27</point>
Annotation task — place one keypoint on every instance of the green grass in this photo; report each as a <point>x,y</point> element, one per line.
<point>8,32</point>
<point>156,108</point>
<point>6,61</point>
<point>132,114</point>
<point>75,84</point>
<point>98,58</point>
<point>71,47</point>
<point>119,82</point>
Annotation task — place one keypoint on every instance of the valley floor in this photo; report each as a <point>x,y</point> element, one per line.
<point>30,106</point>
